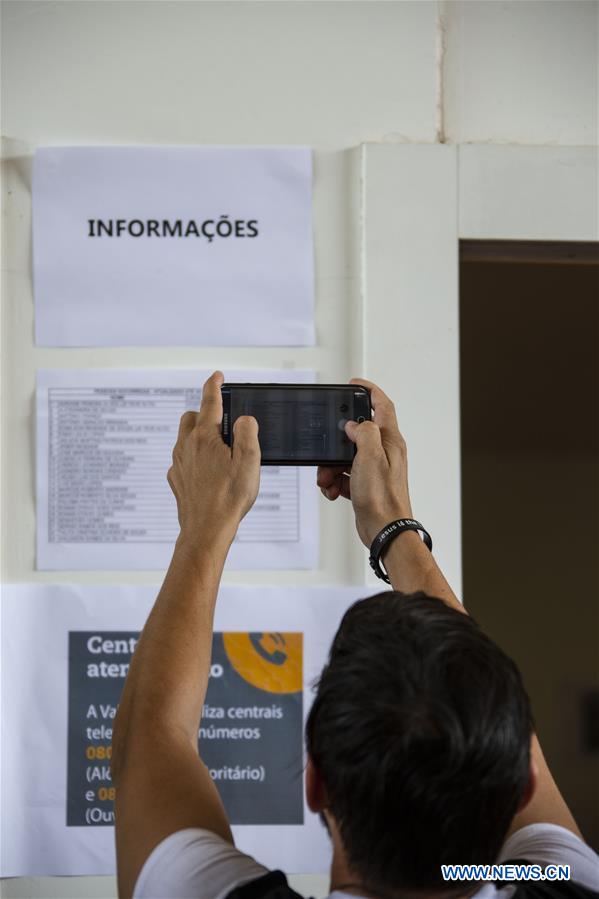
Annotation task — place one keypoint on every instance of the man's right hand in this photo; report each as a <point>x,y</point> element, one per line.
<point>377,486</point>
<point>377,483</point>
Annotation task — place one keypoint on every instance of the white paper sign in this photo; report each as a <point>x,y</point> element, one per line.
<point>138,246</point>
<point>104,444</point>
<point>54,763</point>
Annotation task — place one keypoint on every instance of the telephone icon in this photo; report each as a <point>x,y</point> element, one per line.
<point>262,643</point>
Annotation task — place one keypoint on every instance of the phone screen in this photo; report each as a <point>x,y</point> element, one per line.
<point>298,424</point>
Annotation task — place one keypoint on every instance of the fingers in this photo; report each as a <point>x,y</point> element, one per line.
<point>334,482</point>
<point>384,410</point>
<point>327,475</point>
<point>384,415</point>
<point>186,425</point>
<point>245,438</point>
<point>211,408</point>
<point>341,487</point>
<point>170,477</point>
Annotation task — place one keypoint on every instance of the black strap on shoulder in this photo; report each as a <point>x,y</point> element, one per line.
<point>545,889</point>
<point>552,889</point>
<point>274,886</point>
<point>270,886</point>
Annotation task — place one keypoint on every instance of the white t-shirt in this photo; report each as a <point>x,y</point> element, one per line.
<point>198,864</point>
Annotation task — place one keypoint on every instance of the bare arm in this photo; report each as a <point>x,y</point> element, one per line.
<point>411,567</point>
<point>161,784</point>
<point>378,490</point>
<point>547,805</point>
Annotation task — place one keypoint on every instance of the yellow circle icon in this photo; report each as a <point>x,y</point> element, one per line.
<point>269,661</point>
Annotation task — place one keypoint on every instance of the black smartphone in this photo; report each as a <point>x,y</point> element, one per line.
<point>300,424</point>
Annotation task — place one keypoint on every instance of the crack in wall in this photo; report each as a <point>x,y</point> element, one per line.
<point>441,25</point>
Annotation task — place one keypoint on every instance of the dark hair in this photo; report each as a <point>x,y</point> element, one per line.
<point>420,730</point>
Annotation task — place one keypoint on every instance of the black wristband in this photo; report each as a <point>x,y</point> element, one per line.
<point>389,533</point>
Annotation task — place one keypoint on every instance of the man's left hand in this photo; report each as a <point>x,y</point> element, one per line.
<point>214,485</point>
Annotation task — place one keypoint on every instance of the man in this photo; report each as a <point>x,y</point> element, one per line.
<point>420,744</point>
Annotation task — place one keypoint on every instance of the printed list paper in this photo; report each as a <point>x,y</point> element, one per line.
<point>104,444</point>
<point>68,648</point>
<point>156,246</point>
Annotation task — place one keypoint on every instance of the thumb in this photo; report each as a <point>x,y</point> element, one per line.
<point>351,429</point>
<point>245,436</point>
<point>366,435</point>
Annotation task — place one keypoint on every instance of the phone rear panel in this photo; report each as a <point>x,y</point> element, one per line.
<point>299,424</point>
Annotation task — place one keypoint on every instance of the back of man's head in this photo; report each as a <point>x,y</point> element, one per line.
<point>420,731</point>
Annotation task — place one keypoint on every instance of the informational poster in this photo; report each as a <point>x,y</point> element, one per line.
<point>159,246</point>
<point>250,733</point>
<point>65,653</point>
<point>104,445</point>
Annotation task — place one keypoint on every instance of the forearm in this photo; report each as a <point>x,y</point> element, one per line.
<point>547,805</point>
<point>412,567</point>
<point>167,681</point>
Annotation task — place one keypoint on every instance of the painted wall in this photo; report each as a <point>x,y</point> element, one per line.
<point>521,72</point>
<point>327,74</point>
<point>331,75</point>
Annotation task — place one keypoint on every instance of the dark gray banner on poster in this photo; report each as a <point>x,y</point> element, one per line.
<point>250,733</point>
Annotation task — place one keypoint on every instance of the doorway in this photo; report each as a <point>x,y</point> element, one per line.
<point>529,390</point>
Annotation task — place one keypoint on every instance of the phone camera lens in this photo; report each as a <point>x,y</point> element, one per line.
<point>343,407</point>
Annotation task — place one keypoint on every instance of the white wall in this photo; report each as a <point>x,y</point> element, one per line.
<point>328,74</point>
<point>325,74</point>
<point>331,75</point>
<point>521,72</point>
